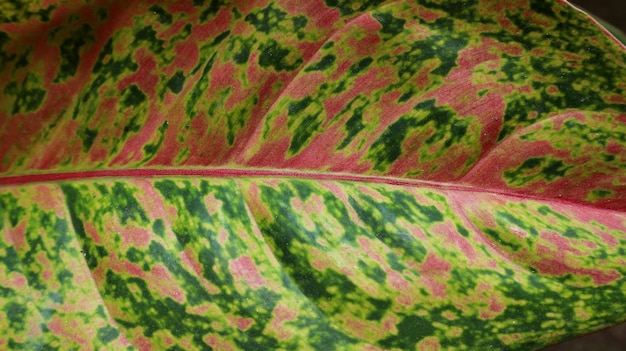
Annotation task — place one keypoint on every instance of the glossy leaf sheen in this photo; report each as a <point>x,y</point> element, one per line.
<point>309,175</point>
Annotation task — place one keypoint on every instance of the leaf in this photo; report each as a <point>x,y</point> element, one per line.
<point>316,175</point>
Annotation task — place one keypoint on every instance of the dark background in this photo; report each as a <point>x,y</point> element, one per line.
<point>612,339</point>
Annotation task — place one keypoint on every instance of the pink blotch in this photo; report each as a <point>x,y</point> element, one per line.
<point>161,273</point>
<point>181,6</point>
<point>364,243</point>
<point>92,232</point>
<point>131,268</point>
<point>328,18</point>
<point>282,314</point>
<point>218,343</point>
<point>396,280</point>
<point>222,236</point>
<point>17,235</point>
<point>405,299</point>
<point>187,55</point>
<point>559,268</point>
<point>590,244</point>
<point>452,235</point>
<point>615,148</point>
<point>482,286</point>
<point>18,281</point>
<point>56,325</point>
<point>141,342</point>
<point>212,28</point>
<point>436,288</point>
<point>243,268</point>
<point>48,199</point>
<point>389,324</point>
<point>241,323</point>
<point>616,99</point>
<point>434,263</point>
<point>138,237</point>
<point>561,243</point>
<point>495,305</point>
<point>430,343</point>
<point>222,76</point>
<point>428,15</point>
<point>69,330</point>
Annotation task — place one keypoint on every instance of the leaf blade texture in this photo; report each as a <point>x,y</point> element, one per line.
<point>310,175</point>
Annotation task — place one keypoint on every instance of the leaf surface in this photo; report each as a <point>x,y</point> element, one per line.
<point>310,175</point>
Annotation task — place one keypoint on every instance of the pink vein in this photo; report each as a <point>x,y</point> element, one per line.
<point>267,173</point>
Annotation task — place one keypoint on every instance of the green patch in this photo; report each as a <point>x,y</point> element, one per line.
<point>536,169</point>
<point>296,107</point>
<point>29,96</point>
<point>107,334</point>
<point>199,88</point>
<point>241,49</point>
<point>148,36</point>
<point>353,126</point>
<point>599,194</point>
<point>306,127</point>
<point>163,16</point>
<point>324,63</point>
<point>210,11</point>
<point>267,19</point>
<point>176,82</point>
<point>358,67</point>
<point>446,130</point>
<point>70,51</point>
<point>10,208</point>
<point>411,329</point>
<point>500,239</point>
<point>348,8</point>
<point>391,26</point>
<point>150,150</point>
<point>158,227</point>
<point>16,314</point>
<point>88,137</point>
<point>274,55</point>
<point>132,96</point>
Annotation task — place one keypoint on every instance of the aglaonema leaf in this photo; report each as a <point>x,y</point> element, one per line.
<point>309,175</point>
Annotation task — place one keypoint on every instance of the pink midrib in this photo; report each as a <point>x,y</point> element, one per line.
<point>25,179</point>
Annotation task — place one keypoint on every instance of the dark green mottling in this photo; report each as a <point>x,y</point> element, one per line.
<point>353,126</point>
<point>132,96</point>
<point>163,16</point>
<point>359,66</point>
<point>28,95</point>
<point>447,130</point>
<point>150,150</point>
<point>274,55</point>
<point>390,25</point>
<point>324,63</point>
<point>176,82</point>
<point>267,19</point>
<point>88,137</point>
<point>71,49</point>
<point>348,8</point>
<point>536,169</point>
<point>408,329</point>
<point>199,88</point>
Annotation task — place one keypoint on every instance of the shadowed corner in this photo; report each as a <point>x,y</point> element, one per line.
<point>612,15</point>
